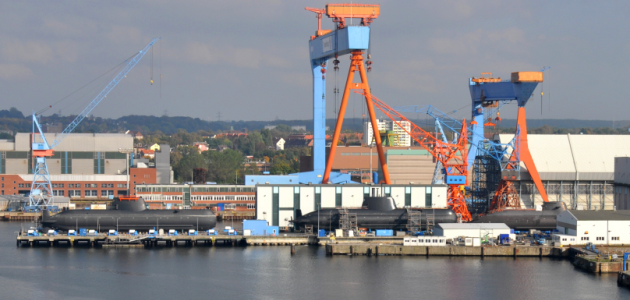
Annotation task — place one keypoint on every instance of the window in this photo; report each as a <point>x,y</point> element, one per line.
<point>60,193</point>
<point>61,185</point>
<point>87,185</point>
<point>94,185</point>
<point>2,178</point>
<point>110,185</point>
<point>110,192</point>
<point>3,185</point>
<point>94,193</point>
<point>585,238</point>
<point>600,238</point>
<point>564,239</point>
<point>615,238</point>
<point>70,185</point>
<point>21,185</point>
<point>54,185</point>
<point>104,185</point>
<point>121,185</point>
<point>103,193</point>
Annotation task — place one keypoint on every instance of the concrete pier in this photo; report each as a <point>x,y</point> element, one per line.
<point>399,250</point>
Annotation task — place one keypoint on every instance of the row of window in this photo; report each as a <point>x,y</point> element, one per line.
<point>22,185</point>
<point>585,238</point>
<point>196,189</point>
<point>223,197</point>
<point>87,193</point>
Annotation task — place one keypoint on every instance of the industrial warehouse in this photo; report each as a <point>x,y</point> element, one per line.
<point>386,179</point>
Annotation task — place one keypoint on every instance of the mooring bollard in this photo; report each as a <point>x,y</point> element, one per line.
<point>292,249</point>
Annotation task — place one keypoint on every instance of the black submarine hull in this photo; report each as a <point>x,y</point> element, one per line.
<point>130,214</point>
<point>520,219</point>
<point>396,219</point>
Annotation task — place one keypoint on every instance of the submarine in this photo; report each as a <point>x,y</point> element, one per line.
<point>526,219</point>
<point>130,213</point>
<point>376,213</point>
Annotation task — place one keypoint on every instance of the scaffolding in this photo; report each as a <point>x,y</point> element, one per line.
<point>486,176</point>
<point>414,220</point>
<point>348,222</point>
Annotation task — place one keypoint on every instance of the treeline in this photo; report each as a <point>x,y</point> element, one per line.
<point>228,166</point>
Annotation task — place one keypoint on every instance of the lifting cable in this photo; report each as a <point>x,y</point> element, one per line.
<point>66,97</point>
<point>151,68</point>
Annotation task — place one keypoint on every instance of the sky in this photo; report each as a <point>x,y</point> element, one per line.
<point>248,59</point>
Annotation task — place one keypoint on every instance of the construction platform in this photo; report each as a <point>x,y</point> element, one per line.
<point>20,216</point>
<point>399,250</point>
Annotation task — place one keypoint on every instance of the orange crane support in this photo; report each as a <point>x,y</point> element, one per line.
<point>356,64</point>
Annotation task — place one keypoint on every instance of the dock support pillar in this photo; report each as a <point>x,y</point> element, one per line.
<point>292,249</point>
<point>30,243</point>
<point>376,252</point>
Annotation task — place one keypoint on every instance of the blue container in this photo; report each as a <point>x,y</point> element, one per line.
<point>384,232</point>
<point>82,231</point>
<point>375,177</point>
<point>255,227</point>
<point>220,206</point>
<point>322,233</point>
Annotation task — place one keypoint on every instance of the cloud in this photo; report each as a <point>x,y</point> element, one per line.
<point>241,57</point>
<point>477,41</point>
<point>14,71</point>
<point>27,51</point>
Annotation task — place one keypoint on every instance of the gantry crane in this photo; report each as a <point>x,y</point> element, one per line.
<point>41,189</point>
<point>488,92</point>
<point>329,44</point>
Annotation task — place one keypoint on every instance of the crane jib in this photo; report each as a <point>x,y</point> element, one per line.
<point>41,189</point>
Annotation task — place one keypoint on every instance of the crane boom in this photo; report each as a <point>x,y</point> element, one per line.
<point>451,155</point>
<point>130,64</point>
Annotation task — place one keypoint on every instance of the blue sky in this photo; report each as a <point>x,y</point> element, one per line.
<point>249,59</point>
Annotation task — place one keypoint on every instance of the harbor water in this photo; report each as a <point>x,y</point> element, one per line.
<point>272,273</point>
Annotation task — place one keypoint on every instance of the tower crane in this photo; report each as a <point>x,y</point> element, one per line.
<point>41,189</point>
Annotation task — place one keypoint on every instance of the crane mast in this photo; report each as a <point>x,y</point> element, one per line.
<point>41,189</point>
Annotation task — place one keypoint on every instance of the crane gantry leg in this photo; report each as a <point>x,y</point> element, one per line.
<point>356,64</point>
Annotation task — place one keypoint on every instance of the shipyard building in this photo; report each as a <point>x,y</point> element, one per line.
<point>578,170</point>
<point>279,203</point>
<point>84,165</point>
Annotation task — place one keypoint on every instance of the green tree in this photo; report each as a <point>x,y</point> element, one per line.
<point>189,158</point>
<point>223,166</point>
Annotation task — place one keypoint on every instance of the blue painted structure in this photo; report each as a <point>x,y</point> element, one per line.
<point>338,42</point>
<point>260,227</point>
<point>384,232</point>
<point>625,259</point>
<point>483,93</point>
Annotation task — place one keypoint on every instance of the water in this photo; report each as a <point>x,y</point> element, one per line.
<point>272,273</point>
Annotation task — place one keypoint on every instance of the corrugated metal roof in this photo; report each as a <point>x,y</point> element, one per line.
<point>601,215</point>
<point>596,153</point>
<point>473,226</point>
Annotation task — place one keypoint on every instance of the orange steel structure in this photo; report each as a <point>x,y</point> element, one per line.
<point>356,64</point>
<point>366,12</point>
<point>452,156</point>
<point>506,195</point>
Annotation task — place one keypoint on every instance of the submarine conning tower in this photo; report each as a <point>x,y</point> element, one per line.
<point>379,203</point>
<point>129,203</point>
